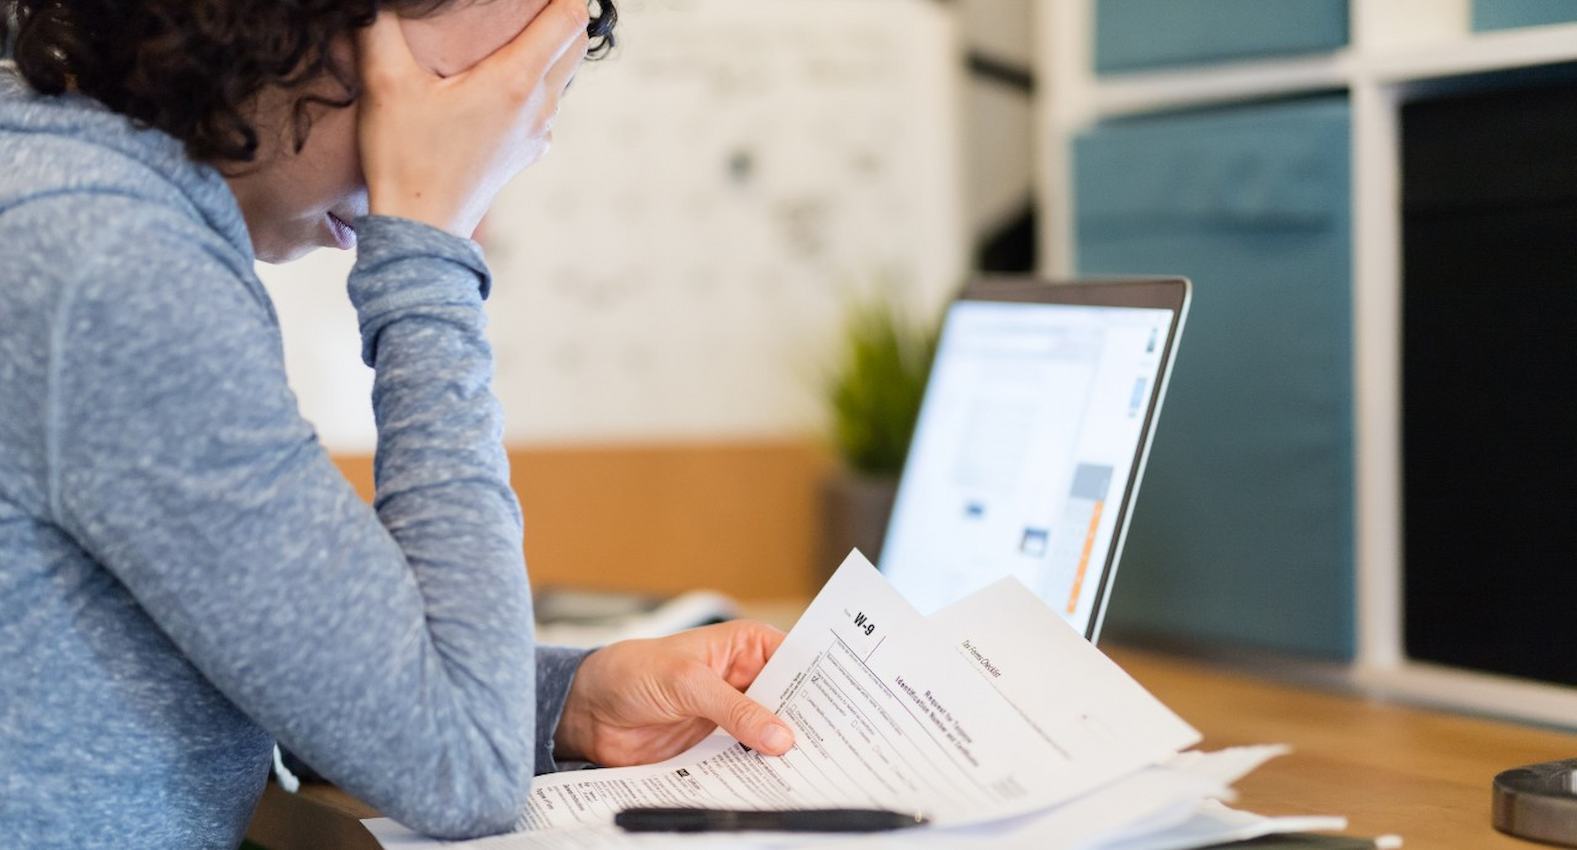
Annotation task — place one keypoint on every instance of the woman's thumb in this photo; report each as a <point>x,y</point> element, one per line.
<point>741,716</point>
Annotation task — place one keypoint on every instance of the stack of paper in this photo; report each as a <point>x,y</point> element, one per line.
<point>992,717</point>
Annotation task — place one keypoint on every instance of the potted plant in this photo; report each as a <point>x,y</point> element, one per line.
<point>873,390</point>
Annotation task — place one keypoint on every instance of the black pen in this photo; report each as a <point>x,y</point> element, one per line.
<point>783,820</point>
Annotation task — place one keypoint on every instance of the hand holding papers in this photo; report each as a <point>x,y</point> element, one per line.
<point>890,713</point>
<point>989,712</point>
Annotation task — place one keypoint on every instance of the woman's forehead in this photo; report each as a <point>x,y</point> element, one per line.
<point>456,37</point>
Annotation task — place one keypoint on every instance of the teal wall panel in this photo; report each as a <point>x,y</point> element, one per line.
<point>1243,531</point>
<point>1506,14</point>
<point>1136,34</point>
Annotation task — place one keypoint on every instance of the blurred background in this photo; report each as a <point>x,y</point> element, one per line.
<point>715,297</point>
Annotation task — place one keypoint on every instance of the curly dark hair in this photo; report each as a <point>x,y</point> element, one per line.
<point>190,67</point>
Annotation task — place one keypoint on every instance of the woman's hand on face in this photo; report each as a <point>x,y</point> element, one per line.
<point>439,149</point>
<point>642,701</point>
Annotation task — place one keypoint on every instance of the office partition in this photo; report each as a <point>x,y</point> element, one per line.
<point>1396,52</point>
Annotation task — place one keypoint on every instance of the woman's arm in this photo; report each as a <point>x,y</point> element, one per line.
<point>388,646</point>
<point>418,294</point>
<point>392,649</point>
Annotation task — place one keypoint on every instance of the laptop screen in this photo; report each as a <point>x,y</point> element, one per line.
<point>1021,459</point>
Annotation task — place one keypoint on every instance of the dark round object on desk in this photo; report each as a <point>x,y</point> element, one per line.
<point>1539,802</point>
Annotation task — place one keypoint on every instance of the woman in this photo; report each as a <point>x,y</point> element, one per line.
<point>185,578</point>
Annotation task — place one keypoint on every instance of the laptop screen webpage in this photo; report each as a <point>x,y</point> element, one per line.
<point>1022,454</point>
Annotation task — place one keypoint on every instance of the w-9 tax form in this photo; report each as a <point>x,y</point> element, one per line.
<point>996,707</point>
<point>991,707</point>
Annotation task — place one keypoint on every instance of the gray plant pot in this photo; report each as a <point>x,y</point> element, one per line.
<point>855,508</point>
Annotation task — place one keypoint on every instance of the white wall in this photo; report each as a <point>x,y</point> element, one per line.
<point>999,130</point>
<point>678,266</point>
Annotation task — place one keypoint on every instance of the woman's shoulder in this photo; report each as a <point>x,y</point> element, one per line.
<point>75,176</point>
<point>130,293</point>
<point>122,246</point>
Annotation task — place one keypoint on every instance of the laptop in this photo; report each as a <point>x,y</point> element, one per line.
<point>1032,439</point>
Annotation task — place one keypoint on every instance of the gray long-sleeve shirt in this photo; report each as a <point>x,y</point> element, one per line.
<point>185,577</point>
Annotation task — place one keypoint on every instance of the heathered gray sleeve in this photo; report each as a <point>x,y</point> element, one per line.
<point>389,647</point>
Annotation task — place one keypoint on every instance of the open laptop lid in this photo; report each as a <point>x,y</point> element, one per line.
<point>1032,440</point>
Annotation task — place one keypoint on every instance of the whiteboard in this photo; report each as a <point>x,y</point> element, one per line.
<point>718,191</point>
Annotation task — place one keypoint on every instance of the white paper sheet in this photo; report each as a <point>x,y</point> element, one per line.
<point>1212,823</point>
<point>392,836</point>
<point>889,714</point>
<point>1159,798</point>
<point>1072,695</point>
<point>992,716</point>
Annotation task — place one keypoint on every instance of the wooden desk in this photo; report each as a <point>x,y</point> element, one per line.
<point>1391,769</point>
<point>1420,774</point>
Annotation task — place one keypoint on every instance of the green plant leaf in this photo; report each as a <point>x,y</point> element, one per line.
<point>877,383</point>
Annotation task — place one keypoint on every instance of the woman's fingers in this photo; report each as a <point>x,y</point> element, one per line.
<point>438,150</point>
<point>540,45</point>
<point>383,50</point>
<point>737,714</point>
<point>564,68</point>
<point>750,648</point>
<point>770,639</point>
